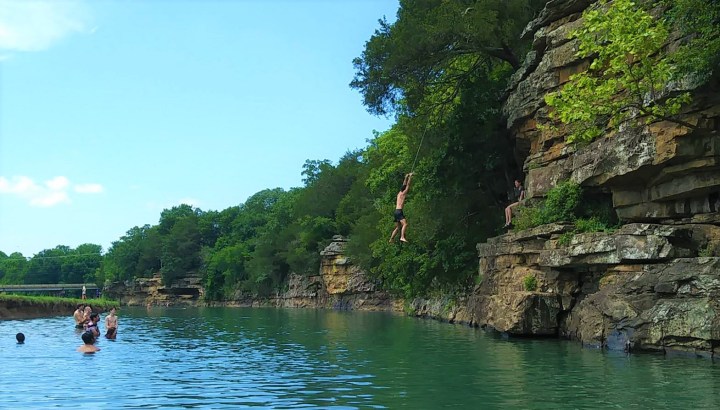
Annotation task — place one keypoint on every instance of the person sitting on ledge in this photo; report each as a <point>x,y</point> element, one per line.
<point>518,195</point>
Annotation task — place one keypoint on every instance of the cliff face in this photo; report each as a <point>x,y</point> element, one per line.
<point>339,285</point>
<point>649,285</point>
<point>186,290</point>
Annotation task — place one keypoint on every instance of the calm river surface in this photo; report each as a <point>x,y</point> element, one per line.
<point>271,358</point>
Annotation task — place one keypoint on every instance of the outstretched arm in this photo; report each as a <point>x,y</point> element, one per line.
<point>408,178</point>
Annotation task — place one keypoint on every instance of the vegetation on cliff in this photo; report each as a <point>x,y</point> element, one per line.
<point>566,202</point>
<point>639,65</point>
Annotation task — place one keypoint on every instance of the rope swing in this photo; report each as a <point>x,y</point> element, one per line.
<point>422,138</point>
<point>418,150</point>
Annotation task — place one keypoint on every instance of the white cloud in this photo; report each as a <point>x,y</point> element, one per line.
<point>52,192</point>
<point>33,25</point>
<point>19,185</point>
<point>57,183</point>
<point>88,188</point>
<point>48,199</point>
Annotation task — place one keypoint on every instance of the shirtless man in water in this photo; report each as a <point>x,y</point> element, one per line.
<point>111,324</point>
<point>400,221</point>
<point>79,316</point>
<point>88,346</point>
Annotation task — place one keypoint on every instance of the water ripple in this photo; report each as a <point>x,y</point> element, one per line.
<point>267,358</point>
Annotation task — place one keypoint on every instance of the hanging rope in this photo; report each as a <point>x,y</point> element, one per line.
<point>418,150</point>
<point>440,115</point>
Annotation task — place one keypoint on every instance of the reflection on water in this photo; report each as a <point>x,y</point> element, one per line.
<point>273,358</point>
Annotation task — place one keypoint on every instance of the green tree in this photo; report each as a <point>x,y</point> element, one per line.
<point>80,264</point>
<point>225,271</point>
<point>180,248</point>
<point>268,266</point>
<point>135,254</point>
<point>12,268</point>
<point>632,70</point>
<point>46,265</point>
<point>312,170</point>
<point>438,44</point>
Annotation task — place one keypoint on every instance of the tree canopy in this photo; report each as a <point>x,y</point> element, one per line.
<point>437,44</point>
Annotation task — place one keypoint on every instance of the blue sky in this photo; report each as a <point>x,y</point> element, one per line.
<point>112,111</point>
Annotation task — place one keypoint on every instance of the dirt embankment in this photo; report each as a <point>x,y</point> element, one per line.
<point>22,309</point>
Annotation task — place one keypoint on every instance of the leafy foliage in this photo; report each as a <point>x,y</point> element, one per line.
<point>61,264</point>
<point>530,283</point>
<point>561,204</point>
<point>631,71</point>
<point>437,45</point>
<point>565,238</point>
<point>593,224</point>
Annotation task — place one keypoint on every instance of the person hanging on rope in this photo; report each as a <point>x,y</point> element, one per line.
<point>518,195</point>
<point>400,221</point>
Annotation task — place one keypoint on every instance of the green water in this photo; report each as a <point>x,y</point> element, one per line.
<point>271,358</point>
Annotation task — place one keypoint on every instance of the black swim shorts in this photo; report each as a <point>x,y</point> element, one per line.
<point>399,215</point>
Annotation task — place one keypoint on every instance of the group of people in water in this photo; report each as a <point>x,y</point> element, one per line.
<point>87,321</point>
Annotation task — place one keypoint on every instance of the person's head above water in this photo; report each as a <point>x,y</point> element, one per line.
<point>88,338</point>
<point>20,338</point>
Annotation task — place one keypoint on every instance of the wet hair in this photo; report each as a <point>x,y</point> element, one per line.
<point>80,306</point>
<point>20,337</point>
<point>88,338</point>
<point>94,316</point>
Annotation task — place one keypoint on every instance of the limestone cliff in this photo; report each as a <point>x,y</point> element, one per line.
<point>650,285</point>
<point>339,285</point>
<point>186,290</point>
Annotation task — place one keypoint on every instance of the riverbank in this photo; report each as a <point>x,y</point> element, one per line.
<point>14,307</point>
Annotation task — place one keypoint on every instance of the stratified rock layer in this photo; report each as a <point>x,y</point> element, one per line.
<point>339,285</point>
<point>186,290</point>
<point>650,285</point>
